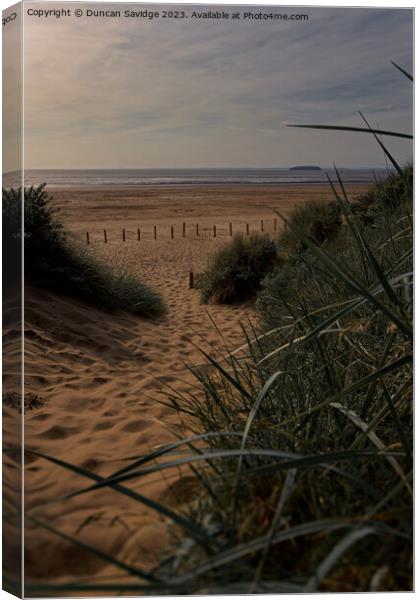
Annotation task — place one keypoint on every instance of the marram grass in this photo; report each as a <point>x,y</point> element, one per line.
<point>54,262</point>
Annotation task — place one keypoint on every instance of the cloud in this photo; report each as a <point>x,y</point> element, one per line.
<point>129,93</point>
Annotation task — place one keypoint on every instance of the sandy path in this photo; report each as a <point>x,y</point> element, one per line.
<point>99,376</point>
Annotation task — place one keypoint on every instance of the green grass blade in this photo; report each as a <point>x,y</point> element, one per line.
<point>284,496</point>
<point>339,549</point>
<point>236,384</point>
<point>168,448</point>
<point>350,414</point>
<point>403,71</point>
<point>357,129</point>
<point>252,414</point>
<point>240,551</point>
<point>365,248</point>
<point>397,420</point>
<point>290,461</point>
<point>348,277</point>
<point>358,385</point>
<point>388,154</point>
<point>397,489</point>
<point>197,532</point>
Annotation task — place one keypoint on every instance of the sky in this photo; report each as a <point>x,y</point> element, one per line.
<point>130,93</point>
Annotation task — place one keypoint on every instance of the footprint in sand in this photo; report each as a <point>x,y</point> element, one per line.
<point>135,426</point>
<point>56,432</point>
<point>103,425</point>
<point>100,380</point>
<point>42,417</point>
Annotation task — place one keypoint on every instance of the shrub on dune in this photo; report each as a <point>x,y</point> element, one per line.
<point>374,213</point>
<point>321,221</point>
<point>54,262</point>
<point>387,196</point>
<point>235,272</point>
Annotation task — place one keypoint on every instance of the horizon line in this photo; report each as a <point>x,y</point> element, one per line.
<point>271,168</point>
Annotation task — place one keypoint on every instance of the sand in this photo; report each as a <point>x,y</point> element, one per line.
<point>99,377</point>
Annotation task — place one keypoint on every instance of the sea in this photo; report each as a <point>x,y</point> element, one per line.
<point>188,177</point>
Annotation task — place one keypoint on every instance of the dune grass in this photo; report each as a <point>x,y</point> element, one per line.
<point>54,262</point>
<point>368,220</point>
<point>234,274</point>
<point>319,220</point>
<point>327,385</point>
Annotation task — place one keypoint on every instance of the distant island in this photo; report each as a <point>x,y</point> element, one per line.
<point>305,168</point>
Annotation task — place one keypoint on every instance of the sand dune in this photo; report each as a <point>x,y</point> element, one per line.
<point>99,377</point>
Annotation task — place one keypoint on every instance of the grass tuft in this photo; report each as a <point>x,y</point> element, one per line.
<point>235,272</point>
<point>321,221</point>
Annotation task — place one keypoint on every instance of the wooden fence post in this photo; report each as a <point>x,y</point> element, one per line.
<point>247,228</point>
<point>262,225</point>
<point>214,230</point>
<point>275,224</point>
<point>155,232</point>
<point>230,229</point>
<point>138,234</point>
<point>87,238</point>
<point>191,280</point>
<point>105,237</point>
<point>172,233</point>
<point>196,229</point>
<point>123,235</point>
<point>183,229</point>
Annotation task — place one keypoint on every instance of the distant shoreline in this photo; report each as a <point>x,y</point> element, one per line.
<point>194,178</point>
<point>156,186</point>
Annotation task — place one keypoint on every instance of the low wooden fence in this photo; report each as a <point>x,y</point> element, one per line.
<point>185,230</point>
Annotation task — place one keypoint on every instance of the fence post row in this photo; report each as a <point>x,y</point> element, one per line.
<point>184,231</point>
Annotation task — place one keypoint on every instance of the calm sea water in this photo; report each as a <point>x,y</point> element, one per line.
<point>119,177</point>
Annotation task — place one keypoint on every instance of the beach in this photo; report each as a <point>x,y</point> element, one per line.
<point>103,379</point>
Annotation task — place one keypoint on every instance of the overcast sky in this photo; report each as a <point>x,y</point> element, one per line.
<point>124,93</point>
